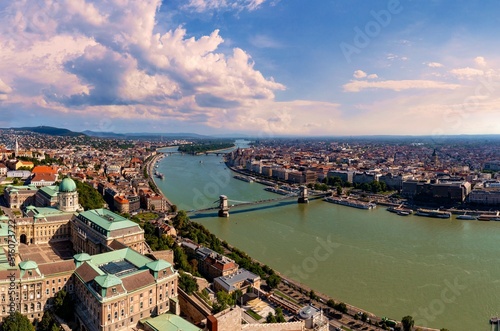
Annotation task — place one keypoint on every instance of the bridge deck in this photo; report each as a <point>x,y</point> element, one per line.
<point>258,202</point>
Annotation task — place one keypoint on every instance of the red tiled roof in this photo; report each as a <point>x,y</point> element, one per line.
<point>57,267</point>
<point>86,272</point>
<point>120,199</point>
<point>45,169</point>
<point>42,176</point>
<point>138,280</point>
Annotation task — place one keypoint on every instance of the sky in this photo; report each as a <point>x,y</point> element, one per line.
<point>258,67</point>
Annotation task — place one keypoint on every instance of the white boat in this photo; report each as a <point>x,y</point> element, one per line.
<point>350,203</point>
<point>432,213</point>
<point>245,178</point>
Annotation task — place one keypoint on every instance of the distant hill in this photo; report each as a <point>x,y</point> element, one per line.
<point>103,134</point>
<point>50,131</point>
<point>143,135</point>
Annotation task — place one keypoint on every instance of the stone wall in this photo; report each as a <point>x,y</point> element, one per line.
<point>229,319</point>
<point>290,326</point>
<point>191,309</point>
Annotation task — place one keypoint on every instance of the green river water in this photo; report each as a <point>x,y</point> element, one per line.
<point>445,273</point>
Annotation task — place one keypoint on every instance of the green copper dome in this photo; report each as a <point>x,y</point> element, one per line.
<point>67,185</point>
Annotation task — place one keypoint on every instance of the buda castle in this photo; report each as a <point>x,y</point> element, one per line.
<point>96,256</point>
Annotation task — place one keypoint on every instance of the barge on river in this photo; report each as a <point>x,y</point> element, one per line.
<point>351,203</point>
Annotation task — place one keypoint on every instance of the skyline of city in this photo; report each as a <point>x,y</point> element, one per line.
<point>255,67</point>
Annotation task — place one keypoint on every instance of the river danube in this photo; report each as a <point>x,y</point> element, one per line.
<point>445,273</point>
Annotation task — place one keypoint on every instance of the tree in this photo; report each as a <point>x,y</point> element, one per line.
<point>180,220</point>
<point>187,283</point>
<point>407,322</point>
<point>270,318</point>
<point>339,190</point>
<point>46,322</point>
<point>224,300</point>
<point>17,322</point>
<point>342,307</point>
<point>330,303</point>
<point>278,313</point>
<point>63,305</point>
<point>236,296</point>
<point>273,281</point>
<point>88,196</point>
<point>181,260</point>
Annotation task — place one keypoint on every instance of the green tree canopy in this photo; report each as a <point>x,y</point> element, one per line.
<point>278,313</point>
<point>88,196</point>
<point>408,323</point>
<point>181,260</point>
<point>63,305</point>
<point>17,322</point>
<point>270,318</point>
<point>46,322</point>
<point>273,281</point>
<point>224,300</point>
<point>187,283</point>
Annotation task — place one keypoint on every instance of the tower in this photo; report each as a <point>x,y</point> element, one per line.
<point>303,195</point>
<point>435,159</point>
<point>68,196</point>
<point>223,206</point>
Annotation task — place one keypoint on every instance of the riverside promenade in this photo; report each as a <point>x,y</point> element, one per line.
<point>150,172</point>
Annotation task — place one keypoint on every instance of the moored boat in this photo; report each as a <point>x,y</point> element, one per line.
<point>398,210</point>
<point>466,217</point>
<point>488,217</point>
<point>244,178</point>
<point>350,203</point>
<point>432,213</point>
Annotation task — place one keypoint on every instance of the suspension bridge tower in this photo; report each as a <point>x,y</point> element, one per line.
<point>223,206</point>
<point>303,195</point>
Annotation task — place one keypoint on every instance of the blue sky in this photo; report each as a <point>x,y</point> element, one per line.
<point>258,67</point>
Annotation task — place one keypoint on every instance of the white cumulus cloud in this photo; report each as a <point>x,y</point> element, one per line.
<point>359,74</point>
<point>396,85</point>
<point>434,65</point>
<point>238,5</point>
<point>105,59</point>
<point>467,72</point>
<point>480,61</point>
